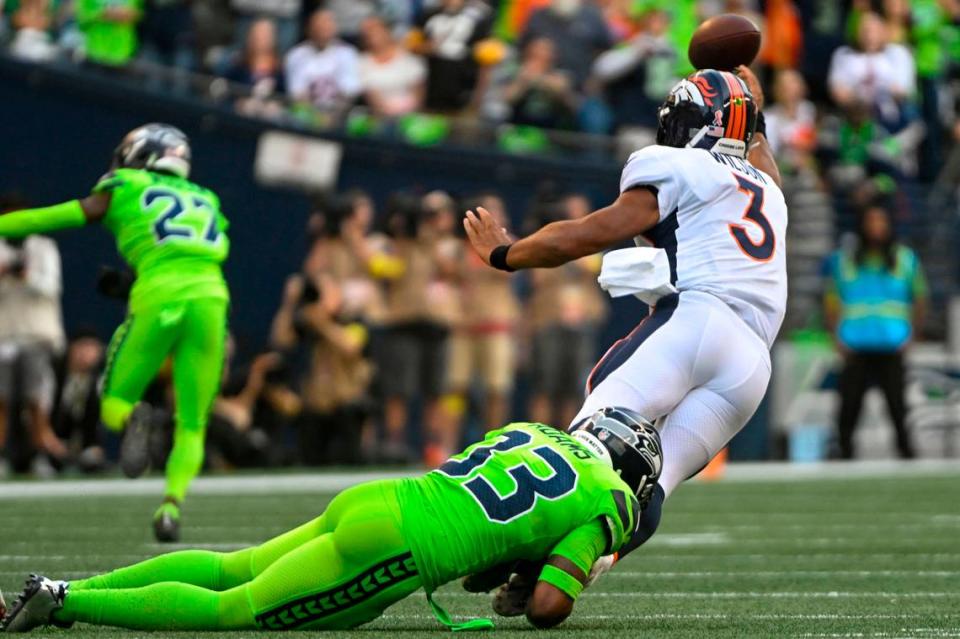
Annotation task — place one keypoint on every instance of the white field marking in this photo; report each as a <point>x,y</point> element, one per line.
<point>718,616</point>
<point>713,535</point>
<point>767,528</point>
<point>936,556</point>
<point>68,574</point>
<point>798,518</point>
<point>46,558</point>
<point>154,547</point>
<point>335,482</point>
<point>788,471</point>
<point>630,560</point>
<point>624,574</point>
<point>646,575</point>
<point>911,633</point>
<point>792,543</point>
<point>220,485</point>
<point>936,594</point>
<point>784,573</point>
<point>806,513</point>
<point>266,530</point>
<point>694,539</point>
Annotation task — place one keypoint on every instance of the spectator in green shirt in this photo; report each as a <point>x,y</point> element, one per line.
<point>110,29</point>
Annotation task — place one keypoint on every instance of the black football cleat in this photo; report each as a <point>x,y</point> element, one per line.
<point>135,449</point>
<point>166,523</point>
<point>489,579</point>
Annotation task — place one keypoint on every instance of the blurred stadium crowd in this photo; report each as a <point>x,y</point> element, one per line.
<point>391,312</point>
<point>391,306</point>
<point>870,81</point>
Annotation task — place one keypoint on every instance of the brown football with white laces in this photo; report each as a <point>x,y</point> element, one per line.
<point>724,42</point>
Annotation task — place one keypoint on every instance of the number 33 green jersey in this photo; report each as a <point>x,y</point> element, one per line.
<point>525,492</point>
<point>171,232</point>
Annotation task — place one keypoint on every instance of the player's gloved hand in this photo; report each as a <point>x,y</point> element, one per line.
<point>600,567</point>
<point>489,579</point>
<point>511,599</point>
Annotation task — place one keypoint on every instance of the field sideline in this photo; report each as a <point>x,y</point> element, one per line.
<point>874,556</point>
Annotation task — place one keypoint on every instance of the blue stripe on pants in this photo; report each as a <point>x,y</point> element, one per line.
<point>621,351</point>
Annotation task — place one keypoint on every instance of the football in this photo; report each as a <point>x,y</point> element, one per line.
<point>724,42</point>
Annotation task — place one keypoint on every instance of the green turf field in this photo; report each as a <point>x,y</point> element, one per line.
<point>871,558</point>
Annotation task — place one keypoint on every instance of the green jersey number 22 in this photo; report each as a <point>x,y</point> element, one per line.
<point>165,227</point>
<point>503,509</point>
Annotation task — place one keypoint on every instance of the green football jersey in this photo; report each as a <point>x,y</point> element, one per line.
<point>516,495</point>
<point>170,231</point>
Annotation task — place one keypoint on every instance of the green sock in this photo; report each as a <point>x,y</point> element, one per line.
<point>197,567</point>
<point>164,606</point>
<point>184,463</point>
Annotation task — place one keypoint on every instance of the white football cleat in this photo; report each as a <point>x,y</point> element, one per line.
<point>36,604</point>
<point>600,567</point>
<point>3,609</point>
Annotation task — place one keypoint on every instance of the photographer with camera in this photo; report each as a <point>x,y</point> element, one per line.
<point>422,303</point>
<point>336,375</point>
<point>254,406</point>
<point>31,335</point>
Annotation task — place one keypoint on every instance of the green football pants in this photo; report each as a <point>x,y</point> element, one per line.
<point>193,334</point>
<point>338,571</point>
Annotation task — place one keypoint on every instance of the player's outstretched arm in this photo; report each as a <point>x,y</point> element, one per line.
<point>550,605</point>
<point>633,213</point>
<point>564,575</point>
<point>68,215</point>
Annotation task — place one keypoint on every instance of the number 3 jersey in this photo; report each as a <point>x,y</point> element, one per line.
<point>170,231</point>
<point>525,492</point>
<point>723,226</point>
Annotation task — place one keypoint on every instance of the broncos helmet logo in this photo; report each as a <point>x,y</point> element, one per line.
<point>687,91</point>
<point>706,90</point>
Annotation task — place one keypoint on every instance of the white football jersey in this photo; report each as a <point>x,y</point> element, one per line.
<point>723,224</point>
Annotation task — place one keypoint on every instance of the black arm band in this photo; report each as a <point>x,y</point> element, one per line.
<point>498,258</point>
<point>761,124</point>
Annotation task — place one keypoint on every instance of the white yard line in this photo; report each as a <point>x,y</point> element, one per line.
<point>904,633</point>
<point>786,541</point>
<point>616,574</point>
<point>764,557</point>
<point>791,471</point>
<point>781,573</point>
<point>715,616</point>
<point>227,485</point>
<point>789,594</point>
<point>811,522</point>
<point>334,482</point>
